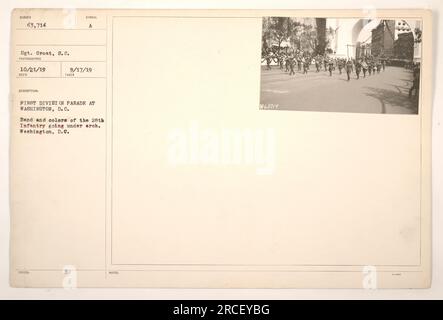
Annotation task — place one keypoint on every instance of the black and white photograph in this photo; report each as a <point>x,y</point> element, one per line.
<point>341,65</point>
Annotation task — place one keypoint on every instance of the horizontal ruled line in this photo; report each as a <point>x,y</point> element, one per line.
<point>71,61</point>
<point>61,45</point>
<point>59,29</point>
<point>222,270</point>
<point>60,77</point>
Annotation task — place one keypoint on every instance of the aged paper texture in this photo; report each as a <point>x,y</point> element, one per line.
<point>221,148</point>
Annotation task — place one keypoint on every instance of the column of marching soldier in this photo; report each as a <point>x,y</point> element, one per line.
<point>289,60</point>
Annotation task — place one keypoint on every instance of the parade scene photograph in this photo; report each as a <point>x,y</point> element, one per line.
<point>341,65</point>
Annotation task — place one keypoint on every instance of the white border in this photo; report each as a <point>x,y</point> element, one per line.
<point>436,291</point>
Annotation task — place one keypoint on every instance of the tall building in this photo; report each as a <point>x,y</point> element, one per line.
<point>409,34</point>
<point>321,35</point>
<point>404,46</point>
<point>383,37</point>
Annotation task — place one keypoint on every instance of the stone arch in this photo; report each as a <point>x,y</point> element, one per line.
<point>358,27</point>
<point>351,31</point>
<point>347,37</point>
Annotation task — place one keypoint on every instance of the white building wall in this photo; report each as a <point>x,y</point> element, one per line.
<point>343,44</point>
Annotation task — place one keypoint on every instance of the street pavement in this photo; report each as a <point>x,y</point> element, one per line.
<point>386,92</point>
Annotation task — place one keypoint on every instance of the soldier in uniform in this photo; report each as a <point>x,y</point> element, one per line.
<point>299,62</point>
<point>330,66</point>
<point>281,59</point>
<point>325,63</point>
<point>268,59</point>
<point>287,62</point>
<point>415,81</point>
<point>378,66</point>
<point>305,65</point>
<point>364,66</point>
<point>291,65</point>
<point>370,67</point>
<point>349,68</point>
<point>317,63</point>
<point>358,68</point>
<point>340,65</point>
<point>383,64</point>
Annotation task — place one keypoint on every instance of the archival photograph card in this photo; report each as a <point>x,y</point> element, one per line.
<point>221,148</point>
